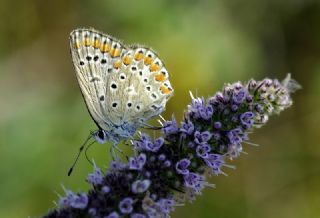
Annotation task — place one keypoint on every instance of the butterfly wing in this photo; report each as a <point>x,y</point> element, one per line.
<point>94,55</point>
<point>144,86</point>
<point>121,86</point>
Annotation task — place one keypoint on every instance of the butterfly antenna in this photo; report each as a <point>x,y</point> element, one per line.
<point>77,157</point>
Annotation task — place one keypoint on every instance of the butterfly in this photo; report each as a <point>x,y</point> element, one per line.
<point>123,86</point>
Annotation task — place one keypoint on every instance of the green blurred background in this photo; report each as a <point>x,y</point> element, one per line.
<point>204,44</point>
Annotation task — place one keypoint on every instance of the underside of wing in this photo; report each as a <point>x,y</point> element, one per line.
<point>94,55</point>
<point>140,85</point>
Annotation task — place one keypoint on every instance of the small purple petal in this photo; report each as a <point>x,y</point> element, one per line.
<point>182,165</point>
<point>140,186</point>
<point>138,215</point>
<point>166,205</point>
<point>105,189</point>
<point>217,125</point>
<point>112,215</point>
<point>247,119</point>
<point>137,163</point>
<point>78,201</point>
<point>187,127</point>
<point>162,157</point>
<point>96,177</point>
<point>215,162</point>
<point>170,127</point>
<point>125,205</point>
<point>203,150</point>
<point>167,163</point>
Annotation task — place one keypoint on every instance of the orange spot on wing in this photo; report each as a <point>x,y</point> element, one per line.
<point>87,42</point>
<point>104,47</point>
<point>160,77</point>
<point>154,67</point>
<point>126,60</point>
<point>115,52</point>
<point>138,56</point>
<point>165,90</point>
<point>147,60</point>
<point>117,64</point>
<point>97,43</point>
<point>77,45</point>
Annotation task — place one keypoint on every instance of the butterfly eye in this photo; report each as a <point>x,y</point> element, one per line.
<point>100,136</point>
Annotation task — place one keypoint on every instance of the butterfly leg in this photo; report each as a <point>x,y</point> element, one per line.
<point>148,126</point>
<point>113,154</point>
<point>120,151</point>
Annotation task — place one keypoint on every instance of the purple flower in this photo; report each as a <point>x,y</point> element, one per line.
<point>125,205</point>
<point>137,163</point>
<point>170,127</point>
<point>140,186</point>
<point>234,136</point>
<point>259,108</point>
<point>162,157</point>
<point>96,177</point>
<point>203,150</point>
<point>206,112</point>
<point>105,189</point>
<point>182,166</point>
<point>157,144</point>
<point>239,95</point>
<point>112,215</point>
<point>167,163</point>
<point>138,215</point>
<point>116,165</point>
<point>219,97</point>
<point>217,125</point>
<point>216,136</point>
<point>249,98</point>
<point>201,137</point>
<point>197,108</point>
<point>194,181</point>
<point>146,144</point>
<point>247,119</point>
<point>234,108</point>
<point>166,205</point>
<point>187,127</point>
<point>234,150</point>
<point>212,132</point>
<point>78,201</point>
<point>215,162</point>
<point>92,212</point>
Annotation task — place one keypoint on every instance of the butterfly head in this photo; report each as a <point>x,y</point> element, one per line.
<point>101,136</point>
